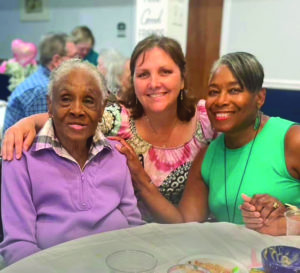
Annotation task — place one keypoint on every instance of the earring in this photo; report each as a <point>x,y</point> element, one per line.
<point>181,94</point>
<point>136,100</point>
<point>257,120</point>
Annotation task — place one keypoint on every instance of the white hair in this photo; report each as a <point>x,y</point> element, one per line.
<point>114,64</point>
<point>72,64</point>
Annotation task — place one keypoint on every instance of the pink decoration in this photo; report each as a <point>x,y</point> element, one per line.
<point>24,53</point>
<point>3,67</point>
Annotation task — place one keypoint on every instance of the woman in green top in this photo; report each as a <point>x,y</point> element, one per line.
<point>254,155</point>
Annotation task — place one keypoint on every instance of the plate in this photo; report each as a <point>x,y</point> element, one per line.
<point>215,259</point>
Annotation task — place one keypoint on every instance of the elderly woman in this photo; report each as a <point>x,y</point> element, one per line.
<point>152,119</point>
<point>67,185</point>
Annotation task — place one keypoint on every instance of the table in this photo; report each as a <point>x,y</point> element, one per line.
<point>169,243</point>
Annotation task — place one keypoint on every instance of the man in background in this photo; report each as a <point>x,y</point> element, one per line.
<point>85,41</point>
<point>30,97</point>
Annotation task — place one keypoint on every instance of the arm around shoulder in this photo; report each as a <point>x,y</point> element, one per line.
<point>18,213</point>
<point>21,135</point>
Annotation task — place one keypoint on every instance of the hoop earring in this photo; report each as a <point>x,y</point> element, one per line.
<point>257,120</point>
<point>181,94</point>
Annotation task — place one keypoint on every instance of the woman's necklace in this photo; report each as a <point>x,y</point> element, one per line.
<point>241,182</point>
<point>167,138</point>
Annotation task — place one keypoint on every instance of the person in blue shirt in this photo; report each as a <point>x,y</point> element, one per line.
<point>85,41</point>
<point>30,97</point>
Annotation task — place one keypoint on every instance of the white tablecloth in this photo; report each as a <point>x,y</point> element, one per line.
<point>169,243</point>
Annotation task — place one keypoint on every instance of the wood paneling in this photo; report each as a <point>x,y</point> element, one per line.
<point>204,35</point>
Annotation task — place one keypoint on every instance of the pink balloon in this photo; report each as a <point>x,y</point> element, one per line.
<point>24,53</point>
<point>3,67</point>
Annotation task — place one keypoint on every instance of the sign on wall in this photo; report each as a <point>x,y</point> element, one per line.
<point>162,17</point>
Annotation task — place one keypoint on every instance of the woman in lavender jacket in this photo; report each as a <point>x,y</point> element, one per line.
<point>72,182</point>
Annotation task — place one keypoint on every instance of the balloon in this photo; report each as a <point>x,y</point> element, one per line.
<point>24,53</point>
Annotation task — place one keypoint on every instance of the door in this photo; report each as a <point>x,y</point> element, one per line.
<point>203,42</point>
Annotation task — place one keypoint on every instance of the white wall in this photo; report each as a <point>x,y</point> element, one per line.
<point>102,16</point>
<point>269,29</point>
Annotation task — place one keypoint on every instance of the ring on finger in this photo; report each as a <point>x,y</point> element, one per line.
<point>275,205</point>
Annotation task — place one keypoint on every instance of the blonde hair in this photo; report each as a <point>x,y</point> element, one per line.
<point>82,34</point>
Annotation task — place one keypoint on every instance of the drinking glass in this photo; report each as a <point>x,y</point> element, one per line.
<point>292,222</point>
<point>131,261</point>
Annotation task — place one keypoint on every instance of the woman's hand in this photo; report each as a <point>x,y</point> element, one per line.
<point>18,137</point>
<point>139,177</point>
<point>21,135</point>
<point>264,213</point>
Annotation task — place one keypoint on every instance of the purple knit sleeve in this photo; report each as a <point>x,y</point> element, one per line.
<point>128,205</point>
<point>18,212</point>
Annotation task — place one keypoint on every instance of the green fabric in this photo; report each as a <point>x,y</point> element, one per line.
<point>92,57</point>
<point>266,172</point>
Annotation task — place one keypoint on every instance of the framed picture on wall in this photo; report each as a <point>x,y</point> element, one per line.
<point>34,10</point>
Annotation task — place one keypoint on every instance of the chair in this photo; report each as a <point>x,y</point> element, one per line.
<point>4,92</point>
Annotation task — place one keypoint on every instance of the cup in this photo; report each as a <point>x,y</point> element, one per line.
<point>292,222</point>
<point>131,261</point>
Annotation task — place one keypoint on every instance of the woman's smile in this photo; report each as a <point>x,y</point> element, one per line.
<point>77,127</point>
<point>157,81</point>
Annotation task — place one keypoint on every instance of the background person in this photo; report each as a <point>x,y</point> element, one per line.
<point>115,69</point>
<point>30,97</point>
<point>67,185</point>
<point>163,124</point>
<point>85,41</point>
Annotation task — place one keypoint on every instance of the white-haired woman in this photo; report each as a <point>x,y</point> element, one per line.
<point>66,186</point>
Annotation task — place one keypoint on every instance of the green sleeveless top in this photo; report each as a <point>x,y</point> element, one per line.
<point>266,172</point>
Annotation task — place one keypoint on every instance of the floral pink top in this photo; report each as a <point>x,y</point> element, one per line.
<point>167,167</point>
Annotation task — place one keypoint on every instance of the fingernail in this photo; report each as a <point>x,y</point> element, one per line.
<point>118,146</point>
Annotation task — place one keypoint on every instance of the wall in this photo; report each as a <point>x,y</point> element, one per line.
<point>102,16</point>
<point>270,29</point>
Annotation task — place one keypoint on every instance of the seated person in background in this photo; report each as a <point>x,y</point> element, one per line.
<point>85,41</point>
<point>115,69</point>
<point>68,184</point>
<point>30,97</point>
<point>164,124</point>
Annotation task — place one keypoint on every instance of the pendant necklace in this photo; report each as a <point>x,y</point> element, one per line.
<point>241,182</point>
